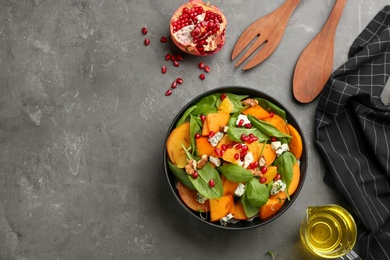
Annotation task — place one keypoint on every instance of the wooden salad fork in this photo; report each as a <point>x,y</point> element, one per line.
<point>269,31</point>
<point>315,64</point>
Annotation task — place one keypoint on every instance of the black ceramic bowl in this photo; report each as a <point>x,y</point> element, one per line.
<point>241,225</point>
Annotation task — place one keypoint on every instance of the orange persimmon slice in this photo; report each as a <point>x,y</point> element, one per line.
<point>296,146</point>
<point>179,137</point>
<point>220,207</point>
<point>189,198</point>
<point>271,207</point>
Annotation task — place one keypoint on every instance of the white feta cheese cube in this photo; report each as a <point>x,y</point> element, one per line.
<point>200,198</point>
<point>275,145</point>
<point>278,186</point>
<point>248,159</point>
<point>243,117</point>
<point>239,190</point>
<point>215,139</point>
<point>215,160</point>
<point>225,220</point>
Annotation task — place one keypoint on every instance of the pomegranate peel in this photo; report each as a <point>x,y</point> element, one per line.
<point>198,28</point>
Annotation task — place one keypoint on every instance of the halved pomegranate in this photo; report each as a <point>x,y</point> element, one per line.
<point>198,28</point>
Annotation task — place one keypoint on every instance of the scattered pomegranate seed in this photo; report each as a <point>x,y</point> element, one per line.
<point>197,136</point>
<point>176,63</point>
<point>273,139</point>
<point>241,122</point>
<point>201,65</point>
<point>223,96</point>
<point>211,183</point>
<point>244,148</point>
<point>195,175</point>
<point>174,85</point>
<point>146,41</point>
<point>202,76</point>
<point>255,138</point>
<point>167,56</point>
<point>173,57</point>
<point>236,156</point>
<point>144,30</point>
<point>224,147</point>
<point>248,125</point>
<point>263,179</point>
<point>263,169</point>
<point>277,177</point>
<point>163,39</point>
<point>203,118</point>
<point>179,81</point>
<point>271,114</point>
<point>211,134</point>
<point>169,92</point>
<point>164,69</point>
<point>207,69</point>
<point>238,146</point>
<point>179,57</point>
<point>255,164</point>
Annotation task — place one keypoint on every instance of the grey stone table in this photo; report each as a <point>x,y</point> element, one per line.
<point>83,119</point>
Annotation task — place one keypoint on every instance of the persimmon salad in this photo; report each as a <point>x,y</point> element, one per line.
<point>234,157</point>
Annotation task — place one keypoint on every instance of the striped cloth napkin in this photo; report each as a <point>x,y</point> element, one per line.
<point>353,134</point>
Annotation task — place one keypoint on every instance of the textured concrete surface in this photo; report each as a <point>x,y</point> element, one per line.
<point>83,119</point>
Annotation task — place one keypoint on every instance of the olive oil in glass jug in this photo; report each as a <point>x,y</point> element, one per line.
<point>328,231</point>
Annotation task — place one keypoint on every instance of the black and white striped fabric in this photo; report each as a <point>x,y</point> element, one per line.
<point>353,134</point>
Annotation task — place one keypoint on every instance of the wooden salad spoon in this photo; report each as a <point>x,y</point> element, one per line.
<point>265,33</point>
<point>315,64</point>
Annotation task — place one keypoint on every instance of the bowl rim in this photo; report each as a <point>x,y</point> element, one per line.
<point>257,222</point>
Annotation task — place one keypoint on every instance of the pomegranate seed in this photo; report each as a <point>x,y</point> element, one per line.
<point>164,69</point>
<point>146,42</point>
<point>263,179</point>
<point>203,118</point>
<point>179,57</point>
<point>211,134</point>
<point>244,148</point>
<point>250,140</point>
<point>175,63</point>
<point>224,147</point>
<point>277,177</point>
<point>229,146</point>
<point>195,175</point>
<point>207,69</point>
<point>263,169</point>
<point>144,30</point>
<point>273,139</point>
<point>201,65</point>
<point>236,156</point>
<point>197,136</point>
<point>255,164</point>
<point>167,56</point>
<point>244,138</point>
<point>211,183</point>
<point>248,125</point>
<point>217,152</point>
<point>174,85</point>
<point>251,135</point>
<point>179,81</point>
<point>255,138</point>
<point>163,39</point>
<point>238,146</point>
<point>223,96</point>
<point>241,122</point>
<point>202,76</point>
<point>271,114</point>
<point>169,92</point>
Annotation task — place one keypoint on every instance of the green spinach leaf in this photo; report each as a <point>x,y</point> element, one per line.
<point>256,193</point>
<point>181,176</point>
<point>195,127</point>
<point>206,106</point>
<point>285,163</point>
<point>185,115</point>
<point>201,183</point>
<point>267,128</point>
<point>268,105</point>
<point>235,173</point>
<point>250,210</point>
<point>236,101</point>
